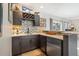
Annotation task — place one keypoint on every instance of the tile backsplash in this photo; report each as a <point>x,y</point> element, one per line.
<point>28,24</point>
<point>24,28</point>
<point>25,25</point>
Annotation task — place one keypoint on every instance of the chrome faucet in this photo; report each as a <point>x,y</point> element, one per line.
<point>28,30</point>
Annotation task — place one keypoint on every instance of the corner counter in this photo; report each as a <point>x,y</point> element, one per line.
<point>69,41</point>
<point>60,37</point>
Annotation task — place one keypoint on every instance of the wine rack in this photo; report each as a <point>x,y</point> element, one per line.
<point>27,16</point>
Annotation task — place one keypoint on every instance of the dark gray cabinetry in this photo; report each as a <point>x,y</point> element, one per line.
<point>16,43</point>
<point>37,20</point>
<point>34,42</point>
<point>29,43</point>
<point>23,44</point>
<point>43,40</point>
<point>17,18</point>
<point>54,47</point>
<point>49,45</point>
<point>70,44</point>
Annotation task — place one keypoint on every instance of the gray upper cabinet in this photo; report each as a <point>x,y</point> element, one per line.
<point>16,43</point>
<point>37,20</point>
<point>17,17</point>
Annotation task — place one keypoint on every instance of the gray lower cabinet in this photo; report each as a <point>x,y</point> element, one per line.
<point>23,44</point>
<point>29,43</point>
<point>34,42</point>
<point>43,44</point>
<point>70,44</point>
<point>16,43</point>
<point>50,46</point>
<point>54,47</point>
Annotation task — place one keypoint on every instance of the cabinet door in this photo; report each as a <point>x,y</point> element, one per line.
<point>54,47</point>
<point>37,20</point>
<point>17,18</point>
<point>43,43</point>
<point>25,44</point>
<point>34,42</point>
<point>16,50</point>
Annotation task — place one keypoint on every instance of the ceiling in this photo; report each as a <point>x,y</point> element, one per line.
<point>63,10</point>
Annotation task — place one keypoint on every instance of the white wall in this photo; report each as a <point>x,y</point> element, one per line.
<point>75,22</point>
<point>54,18</point>
<point>5,40</point>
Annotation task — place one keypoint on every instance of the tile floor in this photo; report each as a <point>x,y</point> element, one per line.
<point>36,52</point>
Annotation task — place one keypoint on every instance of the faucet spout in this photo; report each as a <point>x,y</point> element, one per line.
<point>28,30</point>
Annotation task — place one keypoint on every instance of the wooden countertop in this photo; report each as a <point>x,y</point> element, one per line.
<point>53,36</point>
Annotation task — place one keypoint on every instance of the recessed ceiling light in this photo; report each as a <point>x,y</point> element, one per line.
<point>41,6</point>
<point>27,10</point>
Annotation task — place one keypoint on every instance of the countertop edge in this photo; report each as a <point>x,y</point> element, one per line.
<point>60,37</point>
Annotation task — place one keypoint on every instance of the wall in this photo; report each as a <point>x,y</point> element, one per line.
<point>75,22</point>
<point>54,18</point>
<point>5,40</point>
